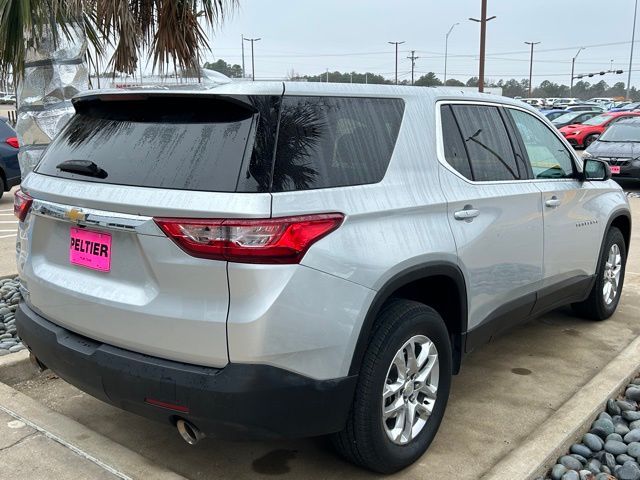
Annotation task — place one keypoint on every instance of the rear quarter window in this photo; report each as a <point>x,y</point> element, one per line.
<point>334,141</point>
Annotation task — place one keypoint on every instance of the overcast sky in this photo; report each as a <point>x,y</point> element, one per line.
<point>352,35</point>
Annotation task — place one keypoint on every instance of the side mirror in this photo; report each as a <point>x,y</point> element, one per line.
<point>596,170</point>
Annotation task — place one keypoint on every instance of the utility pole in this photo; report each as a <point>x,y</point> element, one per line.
<point>573,68</point>
<point>446,50</point>
<point>413,59</point>
<point>483,35</point>
<point>633,39</point>
<point>396,44</point>
<point>531,65</point>
<point>253,65</point>
<point>243,71</point>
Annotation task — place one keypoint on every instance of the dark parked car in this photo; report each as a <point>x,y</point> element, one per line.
<point>584,107</point>
<point>553,114</point>
<point>9,168</point>
<point>619,146</point>
<point>573,118</point>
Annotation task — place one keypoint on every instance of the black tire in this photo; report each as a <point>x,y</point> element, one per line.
<point>595,307</point>
<point>3,187</point>
<point>589,139</point>
<point>364,440</point>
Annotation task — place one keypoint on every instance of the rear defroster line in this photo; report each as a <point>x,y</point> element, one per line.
<point>66,444</point>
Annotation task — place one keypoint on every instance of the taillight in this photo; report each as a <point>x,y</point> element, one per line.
<point>13,141</point>
<point>21,204</point>
<point>273,240</point>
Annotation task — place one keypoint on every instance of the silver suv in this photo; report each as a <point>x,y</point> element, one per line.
<point>269,260</point>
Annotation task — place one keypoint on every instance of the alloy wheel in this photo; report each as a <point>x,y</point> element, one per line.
<point>410,389</point>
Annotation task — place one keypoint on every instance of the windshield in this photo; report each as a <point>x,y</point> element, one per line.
<point>621,132</point>
<point>567,117</point>
<point>598,120</point>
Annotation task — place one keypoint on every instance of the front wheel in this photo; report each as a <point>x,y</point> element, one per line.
<point>402,389</point>
<point>605,294</point>
<point>589,140</point>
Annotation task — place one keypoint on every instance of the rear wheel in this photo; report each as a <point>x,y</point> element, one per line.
<point>402,390</point>
<point>605,294</point>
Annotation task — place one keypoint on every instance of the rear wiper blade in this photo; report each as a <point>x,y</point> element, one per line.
<point>82,167</point>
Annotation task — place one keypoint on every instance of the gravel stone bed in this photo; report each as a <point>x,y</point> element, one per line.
<point>611,449</point>
<point>9,299</point>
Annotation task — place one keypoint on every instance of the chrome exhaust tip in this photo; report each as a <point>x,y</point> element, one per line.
<point>189,432</point>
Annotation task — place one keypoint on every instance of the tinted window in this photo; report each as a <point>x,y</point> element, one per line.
<point>194,143</point>
<point>567,117</point>
<point>547,154</point>
<point>487,143</point>
<point>454,149</point>
<point>332,141</point>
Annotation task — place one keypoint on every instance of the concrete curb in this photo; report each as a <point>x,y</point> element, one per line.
<point>107,454</point>
<point>16,367</point>
<point>538,452</point>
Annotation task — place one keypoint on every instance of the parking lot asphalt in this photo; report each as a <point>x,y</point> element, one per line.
<point>506,390</point>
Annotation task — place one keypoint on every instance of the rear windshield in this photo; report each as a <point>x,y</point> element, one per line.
<point>179,143</point>
<point>228,144</point>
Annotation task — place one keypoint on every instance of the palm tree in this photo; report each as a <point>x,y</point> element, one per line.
<point>44,44</point>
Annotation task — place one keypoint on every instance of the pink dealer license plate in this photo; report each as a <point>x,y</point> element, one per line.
<point>90,249</point>
<point>615,170</point>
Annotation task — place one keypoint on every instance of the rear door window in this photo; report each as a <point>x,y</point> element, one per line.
<point>455,151</point>
<point>334,141</point>
<point>488,144</point>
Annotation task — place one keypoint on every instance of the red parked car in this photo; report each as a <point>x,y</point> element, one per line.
<point>584,134</point>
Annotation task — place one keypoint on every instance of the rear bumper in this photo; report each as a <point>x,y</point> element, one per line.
<point>237,401</point>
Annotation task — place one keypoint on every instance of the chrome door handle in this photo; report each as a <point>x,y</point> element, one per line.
<point>553,202</point>
<point>466,214</point>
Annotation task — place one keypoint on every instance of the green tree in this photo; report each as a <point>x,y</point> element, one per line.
<point>473,82</point>
<point>231,71</point>
<point>172,32</point>
<point>428,80</point>
<point>452,82</point>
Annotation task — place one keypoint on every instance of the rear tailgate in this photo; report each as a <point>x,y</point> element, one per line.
<point>149,295</point>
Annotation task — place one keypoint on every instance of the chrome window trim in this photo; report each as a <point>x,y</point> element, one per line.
<point>440,144</point>
<point>90,217</point>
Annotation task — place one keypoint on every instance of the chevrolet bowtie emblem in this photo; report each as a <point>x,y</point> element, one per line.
<point>75,215</point>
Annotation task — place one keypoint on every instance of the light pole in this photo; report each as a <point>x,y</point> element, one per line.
<point>573,67</point>
<point>396,44</point>
<point>483,36</point>
<point>446,50</point>
<point>633,39</point>
<point>531,64</point>
<point>253,65</point>
<point>243,74</point>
